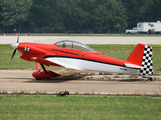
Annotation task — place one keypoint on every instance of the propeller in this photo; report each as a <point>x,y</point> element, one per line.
<point>15,45</point>
<point>18,39</point>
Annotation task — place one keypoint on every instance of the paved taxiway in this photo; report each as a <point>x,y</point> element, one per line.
<point>22,81</point>
<point>85,40</point>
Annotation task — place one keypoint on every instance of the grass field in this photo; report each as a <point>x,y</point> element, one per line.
<point>21,107</point>
<point>117,51</point>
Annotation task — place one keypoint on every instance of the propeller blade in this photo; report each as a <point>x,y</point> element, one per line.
<point>18,39</point>
<point>13,53</point>
<point>15,45</point>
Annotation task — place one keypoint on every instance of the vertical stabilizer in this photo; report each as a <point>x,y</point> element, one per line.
<point>142,56</point>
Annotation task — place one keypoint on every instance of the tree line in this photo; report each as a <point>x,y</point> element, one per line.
<point>77,16</point>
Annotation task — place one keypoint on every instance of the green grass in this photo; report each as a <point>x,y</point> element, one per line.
<point>17,63</point>
<point>21,107</point>
<point>116,51</point>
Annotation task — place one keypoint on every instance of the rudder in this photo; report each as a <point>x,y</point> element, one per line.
<point>147,62</point>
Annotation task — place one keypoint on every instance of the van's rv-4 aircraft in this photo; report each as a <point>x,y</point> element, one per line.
<point>75,55</point>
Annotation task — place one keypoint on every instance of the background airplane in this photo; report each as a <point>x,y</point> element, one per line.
<point>75,55</point>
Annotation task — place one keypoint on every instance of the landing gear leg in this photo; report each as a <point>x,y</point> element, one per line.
<point>38,66</point>
<point>38,71</point>
<point>45,74</point>
<point>43,68</point>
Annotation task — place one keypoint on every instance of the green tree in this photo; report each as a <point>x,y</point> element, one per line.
<point>103,15</point>
<point>72,14</point>
<point>1,11</point>
<point>132,9</point>
<point>150,11</point>
<point>88,6</point>
<point>120,17</point>
<point>100,16</point>
<point>43,14</point>
<point>15,12</point>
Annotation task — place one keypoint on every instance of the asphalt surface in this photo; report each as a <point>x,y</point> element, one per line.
<point>85,40</point>
<point>21,81</point>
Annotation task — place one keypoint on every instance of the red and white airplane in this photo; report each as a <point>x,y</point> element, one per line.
<point>75,55</point>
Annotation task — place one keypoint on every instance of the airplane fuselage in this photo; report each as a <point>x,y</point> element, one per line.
<point>74,59</point>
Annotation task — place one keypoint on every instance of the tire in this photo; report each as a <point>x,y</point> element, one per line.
<point>37,79</point>
<point>140,33</point>
<point>129,33</point>
<point>149,32</point>
<point>159,33</point>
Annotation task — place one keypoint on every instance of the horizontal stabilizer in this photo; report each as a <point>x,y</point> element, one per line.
<point>133,66</point>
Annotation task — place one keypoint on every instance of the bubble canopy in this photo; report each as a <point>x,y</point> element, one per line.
<point>71,44</point>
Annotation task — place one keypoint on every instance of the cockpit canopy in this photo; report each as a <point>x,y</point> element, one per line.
<point>71,44</point>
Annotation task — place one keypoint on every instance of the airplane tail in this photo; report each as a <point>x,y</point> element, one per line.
<point>142,56</point>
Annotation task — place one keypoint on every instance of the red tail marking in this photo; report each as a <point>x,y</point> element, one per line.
<point>137,54</point>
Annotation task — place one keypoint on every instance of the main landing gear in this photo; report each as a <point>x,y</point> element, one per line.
<point>45,74</point>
